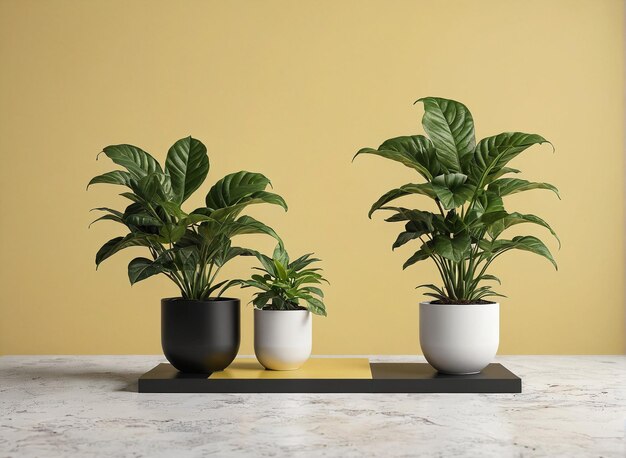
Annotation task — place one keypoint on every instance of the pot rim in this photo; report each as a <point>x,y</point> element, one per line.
<point>289,311</point>
<point>490,304</point>
<point>206,301</point>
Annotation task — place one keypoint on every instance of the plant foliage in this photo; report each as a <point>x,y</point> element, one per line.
<point>188,248</point>
<point>467,181</point>
<point>285,284</point>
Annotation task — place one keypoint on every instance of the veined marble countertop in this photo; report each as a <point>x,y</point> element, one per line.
<point>89,406</point>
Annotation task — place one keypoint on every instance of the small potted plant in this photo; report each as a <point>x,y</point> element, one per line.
<point>200,330</point>
<point>459,329</point>
<point>283,308</point>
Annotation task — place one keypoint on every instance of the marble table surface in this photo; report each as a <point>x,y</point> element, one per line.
<point>89,406</point>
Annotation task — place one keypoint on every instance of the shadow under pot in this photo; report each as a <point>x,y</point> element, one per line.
<point>459,338</point>
<point>282,338</point>
<point>200,336</point>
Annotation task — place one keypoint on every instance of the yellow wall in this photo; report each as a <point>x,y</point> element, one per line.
<point>292,89</point>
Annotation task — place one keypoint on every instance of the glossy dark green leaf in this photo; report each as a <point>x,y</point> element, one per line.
<point>118,177</point>
<point>419,255</point>
<point>452,190</point>
<point>133,197</point>
<point>425,189</point>
<point>248,225</point>
<point>405,214</point>
<point>233,252</point>
<point>415,151</point>
<point>172,209</point>
<point>454,249</point>
<point>490,277</point>
<point>260,197</point>
<point>506,186</point>
<point>187,164</point>
<point>171,233</point>
<point>155,187</point>
<point>115,218</point>
<point>119,243</point>
<point>230,195</point>
<point>405,237</point>
<point>234,187</point>
<point>141,268</point>
<point>302,262</point>
<point>450,127</point>
<point>493,153</point>
<point>316,306</point>
<point>135,160</point>
<point>524,243</point>
<point>512,219</point>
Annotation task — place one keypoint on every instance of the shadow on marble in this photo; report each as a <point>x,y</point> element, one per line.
<point>124,380</point>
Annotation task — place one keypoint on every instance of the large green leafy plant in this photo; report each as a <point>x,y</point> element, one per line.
<point>285,284</point>
<point>188,248</point>
<point>467,181</point>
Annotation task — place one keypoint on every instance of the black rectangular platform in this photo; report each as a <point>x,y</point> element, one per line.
<point>330,375</point>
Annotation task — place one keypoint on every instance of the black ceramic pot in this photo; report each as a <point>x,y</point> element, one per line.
<point>200,336</point>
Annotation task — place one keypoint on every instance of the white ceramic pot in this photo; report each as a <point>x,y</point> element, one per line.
<point>282,338</point>
<point>459,339</point>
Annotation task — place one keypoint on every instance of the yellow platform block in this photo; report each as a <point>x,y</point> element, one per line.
<point>314,368</point>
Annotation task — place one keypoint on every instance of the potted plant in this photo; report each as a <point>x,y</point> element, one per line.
<point>283,307</point>
<point>459,329</point>
<point>200,330</point>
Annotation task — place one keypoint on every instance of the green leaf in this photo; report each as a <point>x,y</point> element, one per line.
<point>425,189</point>
<point>493,209</point>
<point>404,214</point>
<point>267,263</point>
<point>234,187</point>
<point>142,219</point>
<point>281,255</point>
<point>432,287</point>
<point>415,151</point>
<point>119,243</point>
<point>451,189</point>
<point>280,270</point>
<point>405,237</point>
<point>173,209</point>
<point>136,215</point>
<point>233,252</point>
<point>524,243</point>
<point>315,305</point>
<point>230,195</point>
<point>154,187</point>
<point>133,197</point>
<point>419,255</point>
<point>302,262</point>
<point>109,210</point>
<point>454,249</point>
<point>248,225</point>
<point>115,177</point>
<point>259,197</point>
<point>414,229</point>
<point>187,164</point>
<point>506,186</point>
<point>450,126</point>
<point>493,153</point>
<point>142,268</point>
<point>135,160</point>
<point>115,218</point>
<point>314,290</point>
<point>511,219</point>
<point>490,277</point>
<point>188,258</point>
<point>171,233</point>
